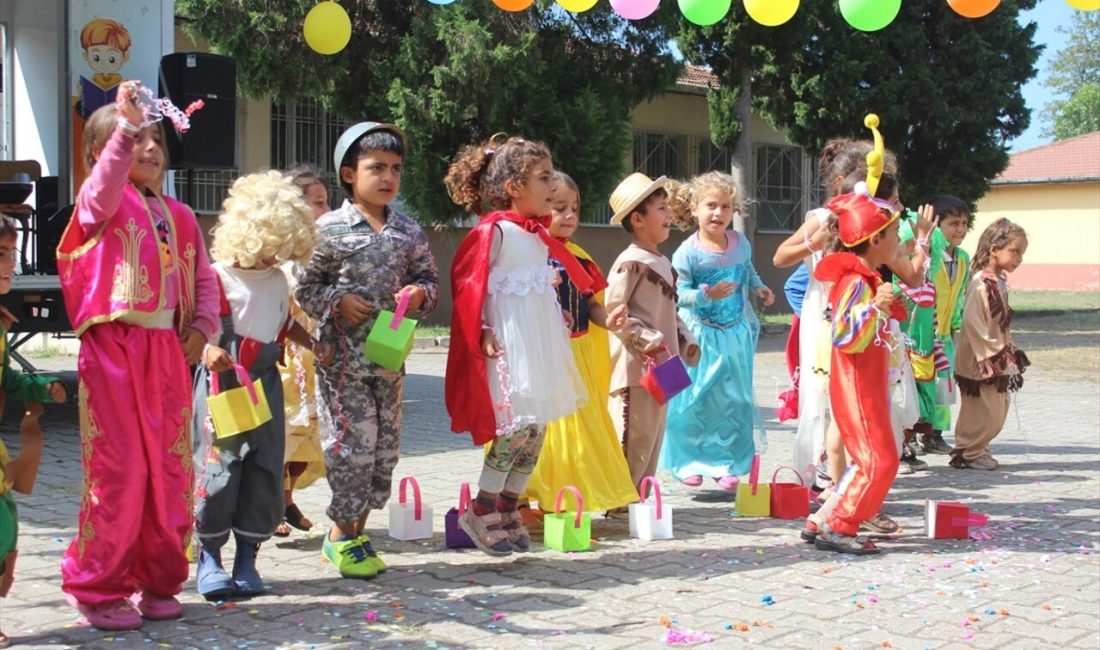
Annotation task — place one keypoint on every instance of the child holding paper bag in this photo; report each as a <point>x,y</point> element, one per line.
<point>369,256</point>
<point>264,222</point>
<point>643,279</point>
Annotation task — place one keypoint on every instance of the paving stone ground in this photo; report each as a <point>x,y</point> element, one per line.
<point>1031,581</point>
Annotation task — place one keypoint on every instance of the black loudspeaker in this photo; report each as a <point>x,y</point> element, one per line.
<point>210,143</point>
<point>50,229</point>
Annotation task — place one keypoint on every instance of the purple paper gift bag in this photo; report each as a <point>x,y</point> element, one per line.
<point>667,379</point>
<point>454,535</point>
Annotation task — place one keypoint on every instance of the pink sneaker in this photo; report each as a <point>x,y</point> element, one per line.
<point>112,615</point>
<point>156,608</point>
<point>693,481</point>
<point>729,483</point>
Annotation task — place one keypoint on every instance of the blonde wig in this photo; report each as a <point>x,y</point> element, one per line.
<point>684,197</point>
<point>264,217</point>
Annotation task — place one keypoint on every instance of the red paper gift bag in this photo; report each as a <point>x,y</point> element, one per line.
<point>789,500</point>
<point>950,520</point>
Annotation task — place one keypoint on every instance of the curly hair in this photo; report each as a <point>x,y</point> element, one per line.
<point>265,216</point>
<point>478,173</point>
<point>997,235</point>
<point>842,157</point>
<point>683,198</point>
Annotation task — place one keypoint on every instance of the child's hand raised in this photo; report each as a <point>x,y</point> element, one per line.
<point>616,318</point>
<point>926,221</point>
<point>217,359</point>
<point>767,295</point>
<point>490,345</point>
<point>57,393</point>
<point>126,101</point>
<point>7,318</point>
<point>354,309</point>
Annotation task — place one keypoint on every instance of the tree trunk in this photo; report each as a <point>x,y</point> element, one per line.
<point>742,153</point>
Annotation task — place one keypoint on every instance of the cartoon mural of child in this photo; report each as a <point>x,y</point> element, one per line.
<point>106,46</point>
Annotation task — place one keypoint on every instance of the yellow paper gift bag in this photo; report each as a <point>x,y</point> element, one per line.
<point>754,499</point>
<point>238,409</point>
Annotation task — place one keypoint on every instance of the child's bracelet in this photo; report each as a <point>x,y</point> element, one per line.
<point>127,127</point>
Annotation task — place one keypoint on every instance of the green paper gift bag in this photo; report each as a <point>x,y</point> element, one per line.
<point>754,499</point>
<point>391,338</point>
<point>567,532</point>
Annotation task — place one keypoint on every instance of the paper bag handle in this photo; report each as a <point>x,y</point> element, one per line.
<point>650,363</point>
<point>242,376</point>
<point>754,475</point>
<point>402,307</point>
<point>652,482</point>
<point>417,504</point>
<point>796,473</point>
<point>580,503</point>
<point>463,498</point>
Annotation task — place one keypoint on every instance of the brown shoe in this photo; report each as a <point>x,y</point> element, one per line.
<point>982,462</point>
<point>880,524</point>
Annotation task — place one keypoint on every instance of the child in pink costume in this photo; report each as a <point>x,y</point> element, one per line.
<point>143,299</point>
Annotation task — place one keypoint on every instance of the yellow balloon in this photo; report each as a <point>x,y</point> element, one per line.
<point>771,13</point>
<point>577,6</point>
<point>327,28</point>
<point>1084,5</point>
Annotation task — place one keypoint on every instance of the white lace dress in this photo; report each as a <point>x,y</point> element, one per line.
<point>813,378</point>
<point>540,382</point>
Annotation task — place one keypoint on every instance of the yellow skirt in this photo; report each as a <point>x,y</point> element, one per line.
<point>303,438</point>
<point>582,449</point>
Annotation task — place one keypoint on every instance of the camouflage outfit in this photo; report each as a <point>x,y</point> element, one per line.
<point>359,402</point>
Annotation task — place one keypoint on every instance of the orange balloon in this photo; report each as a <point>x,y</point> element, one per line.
<point>973,8</point>
<point>513,5</point>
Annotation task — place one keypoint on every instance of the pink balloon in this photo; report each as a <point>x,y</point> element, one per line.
<point>634,9</point>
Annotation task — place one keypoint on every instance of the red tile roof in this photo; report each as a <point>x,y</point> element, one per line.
<point>1069,160</point>
<point>697,77</point>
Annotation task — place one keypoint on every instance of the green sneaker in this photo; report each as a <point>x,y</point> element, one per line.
<point>349,557</point>
<point>372,556</point>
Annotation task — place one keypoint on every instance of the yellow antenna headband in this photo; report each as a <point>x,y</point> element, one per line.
<point>876,158</point>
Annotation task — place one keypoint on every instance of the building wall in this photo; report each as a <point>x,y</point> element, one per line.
<point>1063,226</point>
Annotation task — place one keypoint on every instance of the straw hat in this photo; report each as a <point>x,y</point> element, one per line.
<point>631,192</point>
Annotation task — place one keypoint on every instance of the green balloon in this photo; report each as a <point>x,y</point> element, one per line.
<point>704,12</point>
<point>869,15</point>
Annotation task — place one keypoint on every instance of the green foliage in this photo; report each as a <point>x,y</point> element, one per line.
<point>946,88</point>
<point>1074,74</point>
<point>1080,114</point>
<point>456,74</point>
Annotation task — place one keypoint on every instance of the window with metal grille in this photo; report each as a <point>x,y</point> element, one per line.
<point>676,155</point>
<point>780,188</point>
<point>304,131</point>
<point>208,188</point>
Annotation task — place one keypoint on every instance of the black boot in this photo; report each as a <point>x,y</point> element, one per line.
<point>246,578</point>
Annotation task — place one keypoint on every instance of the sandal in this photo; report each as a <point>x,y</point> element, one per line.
<point>619,514</point>
<point>881,525</point>
<point>830,540</point>
<point>812,528</point>
<point>486,532</point>
<point>282,530</point>
<point>518,535</point>
<point>295,518</point>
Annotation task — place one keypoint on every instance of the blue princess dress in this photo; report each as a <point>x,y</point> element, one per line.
<point>714,426</point>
